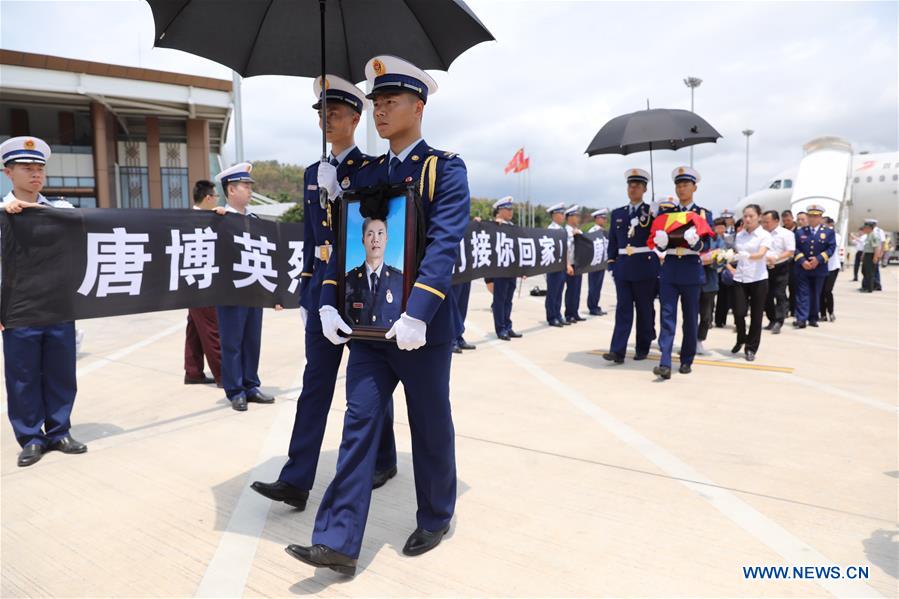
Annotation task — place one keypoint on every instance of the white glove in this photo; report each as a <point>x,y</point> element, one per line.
<point>691,236</point>
<point>410,333</point>
<point>743,255</point>
<point>327,179</point>
<point>304,315</point>
<point>332,323</point>
<point>660,239</point>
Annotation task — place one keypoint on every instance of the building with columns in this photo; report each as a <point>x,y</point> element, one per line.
<point>122,137</point>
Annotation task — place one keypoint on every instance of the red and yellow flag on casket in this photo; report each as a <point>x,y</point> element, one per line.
<point>675,223</point>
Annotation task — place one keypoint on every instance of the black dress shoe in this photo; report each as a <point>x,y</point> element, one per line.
<point>456,348</point>
<point>283,492</point>
<point>769,326</point>
<point>750,355</point>
<point>239,403</point>
<point>380,479</point>
<point>775,330</point>
<point>556,323</point>
<point>570,321</point>
<point>202,380</point>
<point>799,324</point>
<point>463,344</point>
<point>596,313</point>
<point>685,369</point>
<point>813,324</point>
<point>422,541</point>
<point>832,318</point>
<point>322,556</point>
<point>736,349</point>
<point>662,371</point>
<point>613,357</point>
<point>515,335</point>
<point>68,445</point>
<point>579,318</point>
<point>565,322</point>
<point>31,454</point>
<point>504,336</point>
<point>260,397</point>
<point>639,357</point>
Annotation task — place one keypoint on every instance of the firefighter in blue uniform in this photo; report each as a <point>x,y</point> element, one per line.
<point>374,290</point>
<point>682,277</point>
<point>815,244</point>
<point>635,270</point>
<point>503,287</point>
<point>595,278</point>
<point>345,104</point>
<point>555,281</point>
<point>421,357</point>
<point>572,281</point>
<point>38,362</point>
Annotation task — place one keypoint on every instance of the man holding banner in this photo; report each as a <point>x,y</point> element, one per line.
<point>39,361</point>
<point>503,287</point>
<point>555,281</point>
<point>572,281</point>
<point>595,278</point>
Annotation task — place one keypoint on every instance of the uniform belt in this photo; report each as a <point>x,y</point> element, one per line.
<point>323,252</point>
<point>681,252</point>
<point>631,250</point>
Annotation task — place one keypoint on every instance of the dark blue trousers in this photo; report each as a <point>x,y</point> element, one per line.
<point>503,294</point>
<point>319,379</point>
<point>39,366</point>
<point>463,294</point>
<point>689,301</point>
<point>808,296</point>
<point>594,288</point>
<point>572,295</point>
<point>240,333</point>
<point>555,283</point>
<point>373,372</point>
<point>639,296</point>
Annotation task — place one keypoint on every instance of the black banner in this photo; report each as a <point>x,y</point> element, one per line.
<point>591,252</point>
<point>62,264</point>
<point>491,250</point>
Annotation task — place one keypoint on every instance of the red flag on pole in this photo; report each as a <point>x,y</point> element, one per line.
<point>513,165</point>
<point>525,163</point>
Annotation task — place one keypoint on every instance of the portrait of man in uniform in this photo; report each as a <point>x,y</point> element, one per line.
<point>374,288</point>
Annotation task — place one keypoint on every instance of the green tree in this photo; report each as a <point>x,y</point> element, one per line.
<point>293,215</point>
<point>282,182</point>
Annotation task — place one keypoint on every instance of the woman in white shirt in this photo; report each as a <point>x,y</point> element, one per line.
<point>750,272</point>
<point>834,264</point>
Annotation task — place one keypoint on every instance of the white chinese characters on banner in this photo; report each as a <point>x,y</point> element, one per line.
<point>480,249</point>
<point>115,262</point>
<point>198,263</point>
<point>296,264</point>
<point>255,262</point>
<point>547,250</point>
<point>599,251</point>
<point>505,250</point>
<point>527,252</point>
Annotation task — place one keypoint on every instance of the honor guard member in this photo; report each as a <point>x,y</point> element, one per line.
<point>374,290</point>
<point>682,277</point>
<point>39,362</point>
<point>815,244</point>
<point>635,270</point>
<point>572,281</point>
<point>421,357</point>
<point>595,278</point>
<point>555,281</point>
<point>345,104</point>
<point>240,327</point>
<point>503,287</point>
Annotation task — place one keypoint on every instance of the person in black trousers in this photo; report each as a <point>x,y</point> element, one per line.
<point>780,263</point>
<point>750,280</point>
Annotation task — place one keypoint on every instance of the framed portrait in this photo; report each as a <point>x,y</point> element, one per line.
<point>379,254</point>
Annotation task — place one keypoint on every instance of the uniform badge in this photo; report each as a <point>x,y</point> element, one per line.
<point>345,183</point>
<point>630,251</point>
<point>358,305</point>
<point>415,158</point>
<point>823,236</point>
<point>312,187</point>
<point>29,144</point>
<point>408,180</point>
<point>389,297</point>
<point>378,67</point>
<point>349,162</point>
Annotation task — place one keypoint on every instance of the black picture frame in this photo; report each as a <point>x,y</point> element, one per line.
<point>377,203</point>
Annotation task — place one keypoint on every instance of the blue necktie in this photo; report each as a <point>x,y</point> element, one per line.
<point>333,161</point>
<point>374,284</point>
<point>394,165</point>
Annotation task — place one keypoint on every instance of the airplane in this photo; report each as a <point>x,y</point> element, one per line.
<point>874,180</point>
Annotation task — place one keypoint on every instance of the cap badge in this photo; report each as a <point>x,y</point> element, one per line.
<point>29,144</point>
<point>378,67</point>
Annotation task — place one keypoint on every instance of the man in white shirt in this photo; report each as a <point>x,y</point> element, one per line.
<point>779,260</point>
<point>858,242</point>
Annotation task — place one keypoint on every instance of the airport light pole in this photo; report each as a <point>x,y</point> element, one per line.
<point>747,133</point>
<point>692,83</point>
<point>238,117</point>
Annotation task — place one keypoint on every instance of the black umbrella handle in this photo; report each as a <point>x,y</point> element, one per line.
<point>322,193</point>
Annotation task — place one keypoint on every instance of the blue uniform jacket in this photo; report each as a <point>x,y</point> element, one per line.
<point>319,230</point>
<point>633,267</point>
<point>446,202</point>
<point>820,244</point>
<point>384,308</point>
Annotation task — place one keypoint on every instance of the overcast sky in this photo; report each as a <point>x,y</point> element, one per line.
<point>558,71</point>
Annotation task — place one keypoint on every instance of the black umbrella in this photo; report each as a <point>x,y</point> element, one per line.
<point>652,129</point>
<point>294,37</point>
